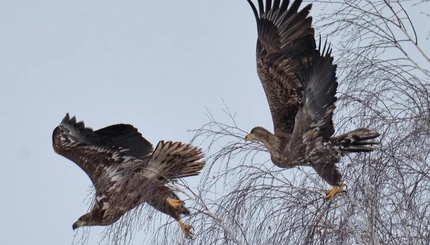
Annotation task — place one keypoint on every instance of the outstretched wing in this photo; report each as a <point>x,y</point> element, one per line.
<point>96,152</point>
<point>314,124</point>
<point>127,137</point>
<point>173,160</point>
<point>285,39</point>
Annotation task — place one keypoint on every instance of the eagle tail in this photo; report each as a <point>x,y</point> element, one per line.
<point>358,140</point>
<point>173,160</point>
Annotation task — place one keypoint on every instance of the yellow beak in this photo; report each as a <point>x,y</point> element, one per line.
<point>250,137</point>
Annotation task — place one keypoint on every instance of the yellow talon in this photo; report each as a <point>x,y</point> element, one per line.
<point>186,229</point>
<point>334,191</point>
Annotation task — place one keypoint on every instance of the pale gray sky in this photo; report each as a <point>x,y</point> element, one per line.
<point>154,64</point>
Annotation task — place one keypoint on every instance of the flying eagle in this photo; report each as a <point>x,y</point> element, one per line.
<point>300,85</point>
<point>125,169</point>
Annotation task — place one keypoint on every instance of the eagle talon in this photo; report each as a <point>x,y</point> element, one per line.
<point>334,191</point>
<point>186,229</point>
<point>175,203</point>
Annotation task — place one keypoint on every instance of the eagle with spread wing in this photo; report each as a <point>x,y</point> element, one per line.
<point>125,169</point>
<point>299,80</point>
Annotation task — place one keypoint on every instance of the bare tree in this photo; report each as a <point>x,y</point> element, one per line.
<point>384,85</point>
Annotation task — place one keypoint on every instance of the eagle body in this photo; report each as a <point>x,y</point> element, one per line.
<point>299,80</point>
<point>125,169</point>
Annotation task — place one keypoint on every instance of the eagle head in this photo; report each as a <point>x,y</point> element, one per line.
<point>258,134</point>
<point>269,140</point>
<point>79,223</point>
<point>85,220</point>
<point>98,217</point>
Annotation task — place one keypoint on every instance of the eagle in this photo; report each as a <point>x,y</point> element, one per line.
<point>126,170</point>
<point>299,80</point>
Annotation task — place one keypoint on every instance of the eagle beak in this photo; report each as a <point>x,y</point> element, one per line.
<point>250,137</point>
<point>78,224</point>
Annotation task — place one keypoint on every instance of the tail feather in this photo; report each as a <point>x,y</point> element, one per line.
<point>359,140</point>
<point>173,160</point>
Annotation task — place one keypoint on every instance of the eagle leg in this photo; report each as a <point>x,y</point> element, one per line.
<point>334,191</point>
<point>186,229</point>
<point>175,203</point>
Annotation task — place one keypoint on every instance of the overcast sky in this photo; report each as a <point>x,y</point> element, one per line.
<point>153,64</point>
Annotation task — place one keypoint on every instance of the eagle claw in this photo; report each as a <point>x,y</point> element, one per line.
<point>334,191</point>
<point>186,229</point>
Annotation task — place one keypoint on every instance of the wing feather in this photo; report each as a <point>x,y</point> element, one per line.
<point>285,38</point>
<point>96,153</point>
<point>314,124</point>
<point>128,137</point>
<point>320,87</point>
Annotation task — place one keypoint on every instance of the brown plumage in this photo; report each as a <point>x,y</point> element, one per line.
<point>125,169</point>
<point>285,41</point>
<point>306,140</point>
